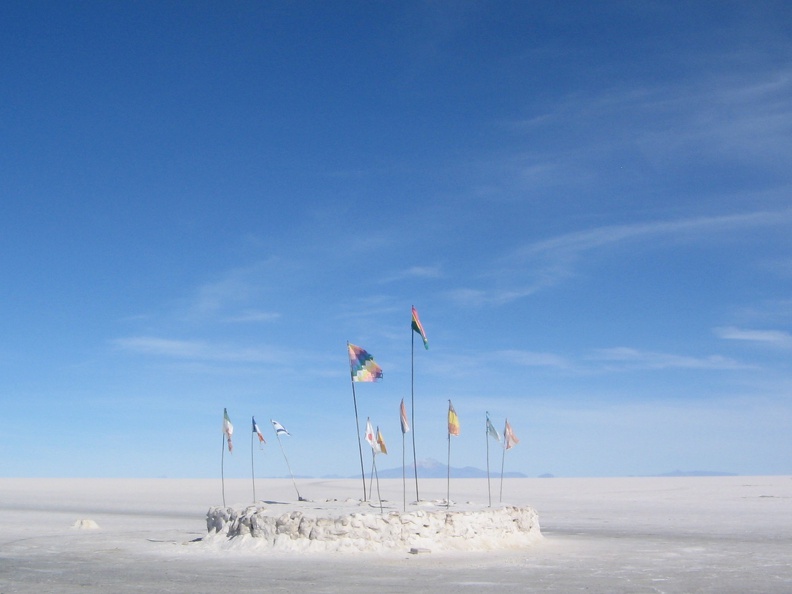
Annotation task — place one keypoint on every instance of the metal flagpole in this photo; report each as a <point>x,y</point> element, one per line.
<point>371,475</point>
<point>448,477</point>
<point>360,447</point>
<point>357,426</point>
<point>299,497</point>
<point>404,477</point>
<point>412,408</point>
<point>453,429</point>
<point>503,460</point>
<point>222,467</point>
<point>486,437</point>
<point>376,474</point>
<point>252,468</point>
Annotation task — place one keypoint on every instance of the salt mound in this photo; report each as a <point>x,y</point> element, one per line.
<point>440,530</point>
<point>85,525</point>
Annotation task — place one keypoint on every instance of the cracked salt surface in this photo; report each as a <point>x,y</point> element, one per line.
<point>672,535</point>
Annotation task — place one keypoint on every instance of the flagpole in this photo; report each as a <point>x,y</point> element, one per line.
<point>412,408</point>
<point>357,425</point>
<point>371,474</point>
<point>448,477</point>
<point>486,438</point>
<point>299,497</point>
<point>360,447</point>
<point>222,467</point>
<point>404,477</point>
<point>252,468</point>
<point>503,461</point>
<point>376,474</point>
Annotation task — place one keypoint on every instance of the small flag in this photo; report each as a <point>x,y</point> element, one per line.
<point>279,429</point>
<point>418,327</point>
<point>257,431</point>
<point>453,420</point>
<point>370,437</point>
<point>362,365</point>
<point>381,442</point>
<point>491,430</point>
<point>228,429</point>
<point>509,438</point>
<point>404,424</point>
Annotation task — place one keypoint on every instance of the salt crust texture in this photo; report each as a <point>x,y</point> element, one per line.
<point>440,530</point>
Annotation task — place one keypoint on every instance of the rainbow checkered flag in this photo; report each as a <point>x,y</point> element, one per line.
<point>362,365</point>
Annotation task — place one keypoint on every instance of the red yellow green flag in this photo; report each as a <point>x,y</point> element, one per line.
<point>418,327</point>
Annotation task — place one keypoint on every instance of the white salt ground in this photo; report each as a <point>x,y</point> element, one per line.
<point>674,535</point>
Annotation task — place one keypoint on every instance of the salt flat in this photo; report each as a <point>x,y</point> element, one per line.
<point>707,534</point>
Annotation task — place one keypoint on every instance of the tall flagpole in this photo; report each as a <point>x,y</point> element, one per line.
<point>252,468</point>
<point>453,429</point>
<point>486,438</point>
<point>404,476</point>
<point>412,408</point>
<point>503,461</point>
<point>222,468</point>
<point>448,476</point>
<point>299,497</point>
<point>376,474</point>
<point>371,476</point>
<point>509,441</point>
<point>363,368</point>
<point>360,447</point>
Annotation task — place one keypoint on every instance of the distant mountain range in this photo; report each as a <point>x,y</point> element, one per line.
<point>433,469</point>
<point>697,473</point>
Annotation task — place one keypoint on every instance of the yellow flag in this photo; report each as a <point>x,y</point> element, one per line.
<point>453,420</point>
<point>381,442</point>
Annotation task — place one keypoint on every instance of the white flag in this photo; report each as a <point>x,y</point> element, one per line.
<point>279,429</point>
<point>228,429</point>
<point>371,437</point>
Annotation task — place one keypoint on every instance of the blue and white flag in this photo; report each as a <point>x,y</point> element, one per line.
<point>493,433</point>
<point>279,429</point>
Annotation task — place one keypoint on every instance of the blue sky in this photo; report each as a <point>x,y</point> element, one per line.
<point>589,205</point>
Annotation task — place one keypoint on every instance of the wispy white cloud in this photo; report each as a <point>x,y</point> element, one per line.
<point>573,245</point>
<point>197,350</point>
<point>254,316</point>
<point>777,338</point>
<point>547,262</point>
<point>596,361</point>
<point>530,358</point>
<point>473,365</point>
<point>418,272</point>
<point>626,358</point>
<point>741,116</point>
<point>235,295</point>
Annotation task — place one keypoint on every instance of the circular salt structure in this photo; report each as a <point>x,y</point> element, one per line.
<point>319,527</point>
